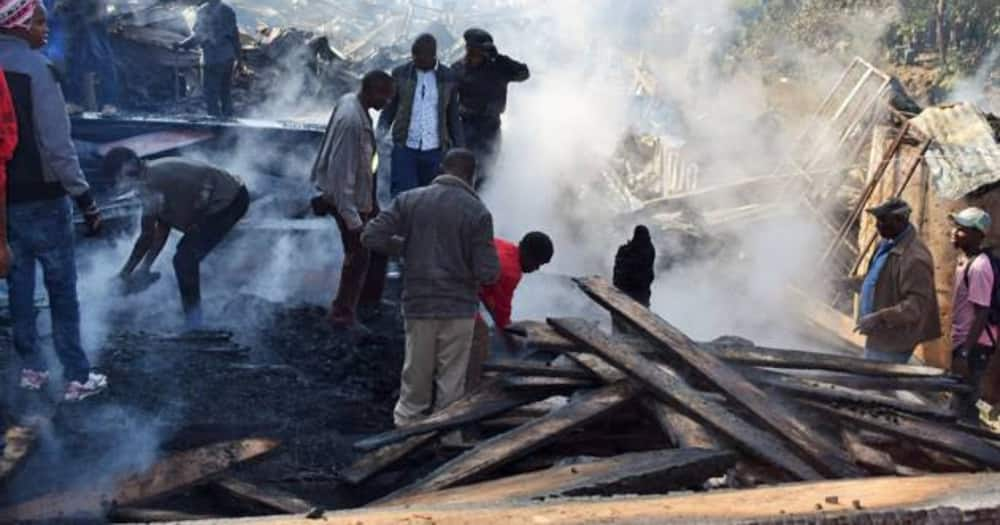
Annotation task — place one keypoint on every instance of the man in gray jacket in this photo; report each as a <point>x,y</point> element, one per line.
<point>445,234</point>
<point>343,174</point>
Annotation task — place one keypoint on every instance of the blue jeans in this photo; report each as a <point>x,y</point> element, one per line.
<point>42,232</point>
<point>413,168</point>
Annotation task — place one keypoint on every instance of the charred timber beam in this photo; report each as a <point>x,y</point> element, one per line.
<point>636,473</point>
<point>670,388</point>
<point>504,448</point>
<point>769,408</point>
<point>489,400</point>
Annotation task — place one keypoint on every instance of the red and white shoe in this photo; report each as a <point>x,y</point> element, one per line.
<point>33,379</point>
<point>77,391</point>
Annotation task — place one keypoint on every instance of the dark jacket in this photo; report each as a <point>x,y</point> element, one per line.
<point>445,234</point>
<point>633,270</point>
<point>400,108</point>
<point>216,32</point>
<point>45,164</point>
<point>482,91</point>
<point>905,301</point>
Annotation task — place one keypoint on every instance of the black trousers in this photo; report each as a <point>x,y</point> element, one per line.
<point>196,245</point>
<point>482,136</point>
<point>218,86</point>
<point>972,367</point>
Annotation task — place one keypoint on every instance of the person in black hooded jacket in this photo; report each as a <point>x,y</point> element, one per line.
<point>633,272</point>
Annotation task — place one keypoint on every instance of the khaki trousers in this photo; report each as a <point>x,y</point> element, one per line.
<point>434,371</point>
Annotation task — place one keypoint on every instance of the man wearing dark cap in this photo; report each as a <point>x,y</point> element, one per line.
<point>483,77</point>
<point>898,308</point>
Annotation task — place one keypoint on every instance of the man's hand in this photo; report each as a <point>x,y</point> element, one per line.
<point>5,259</point>
<point>868,324</point>
<point>92,217</point>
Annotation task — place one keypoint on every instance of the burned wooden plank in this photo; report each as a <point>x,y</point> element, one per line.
<point>635,473</point>
<point>268,496</point>
<point>20,441</point>
<point>490,399</point>
<point>536,368</point>
<point>668,387</point>
<point>547,385</point>
<point>830,392</point>
<point>134,515</point>
<point>867,382</point>
<point>877,461</point>
<point>682,430</point>
<point>548,339</point>
<point>171,474</point>
<point>768,408</point>
<point>378,460</point>
<point>936,436</point>
<point>780,358</point>
<point>521,441</point>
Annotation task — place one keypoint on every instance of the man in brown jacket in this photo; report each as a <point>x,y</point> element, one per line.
<point>898,308</point>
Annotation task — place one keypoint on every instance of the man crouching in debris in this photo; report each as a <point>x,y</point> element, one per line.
<point>974,334</point>
<point>201,200</point>
<point>215,30</point>
<point>343,174</point>
<point>43,170</point>
<point>446,235</point>
<point>899,307</point>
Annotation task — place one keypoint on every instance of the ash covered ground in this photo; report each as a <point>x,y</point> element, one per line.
<point>284,373</point>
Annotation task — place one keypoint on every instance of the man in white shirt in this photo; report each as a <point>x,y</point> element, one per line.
<point>423,117</point>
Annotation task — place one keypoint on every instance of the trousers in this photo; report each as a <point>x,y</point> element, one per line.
<point>362,275</point>
<point>218,86</point>
<point>435,367</point>
<point>972,366</point>
<point>42,233</point>
<point>195,246</point>
<point>412,168</point>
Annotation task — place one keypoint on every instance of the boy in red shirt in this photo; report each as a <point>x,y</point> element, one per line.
<point>534,251</point>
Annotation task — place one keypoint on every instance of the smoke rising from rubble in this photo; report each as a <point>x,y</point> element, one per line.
<point>565,123</point>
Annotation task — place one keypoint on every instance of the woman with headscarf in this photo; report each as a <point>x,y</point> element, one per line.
<point>633,272</point>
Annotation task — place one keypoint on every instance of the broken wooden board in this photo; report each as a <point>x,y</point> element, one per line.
<point>936,436</point>
<point>682,430</point>
<point>877,461</point>
<point>134,515</point>
<point>523,440</point>
<point>546,338</point>
<point>636,473</point>
<point>168,475</point>
<point>830,392</point>
<point>767,407</point>
<point>864,382</point>
<point>536,368</point>
<point>870,500</point>
<point>20,441</point>
<point>780,358</point>
<point>378,460</point>
<point>670,388</point>
<point>490,399</point>
<point>545,385</point>
<point>268,496</point>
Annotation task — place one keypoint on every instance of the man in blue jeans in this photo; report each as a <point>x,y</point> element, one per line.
<point>42,173</point>
<point>423,116</point>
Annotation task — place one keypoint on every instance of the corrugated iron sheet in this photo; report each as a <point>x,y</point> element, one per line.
<point>964,155</point>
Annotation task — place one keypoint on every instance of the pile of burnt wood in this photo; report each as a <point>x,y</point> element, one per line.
<point>651,411</point>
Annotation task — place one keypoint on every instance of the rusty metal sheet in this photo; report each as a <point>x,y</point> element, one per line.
<point>965,155</point>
